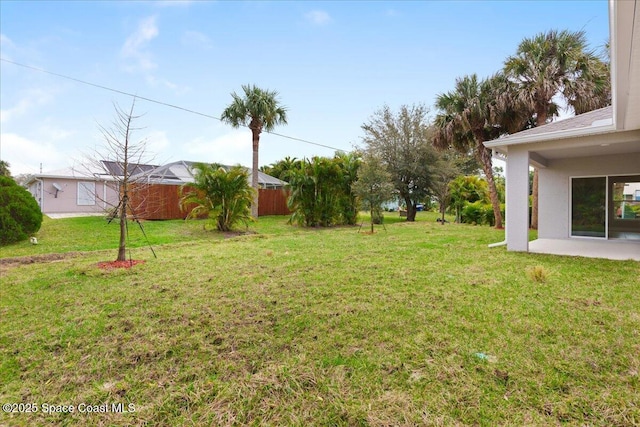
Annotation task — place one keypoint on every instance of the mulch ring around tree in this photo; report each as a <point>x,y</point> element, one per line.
<point>110,265</point>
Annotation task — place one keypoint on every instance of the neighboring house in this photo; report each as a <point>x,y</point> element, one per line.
<point>589,165</point>
<point>157,192</point>
<point>73,191</point>
<point>155,195</point>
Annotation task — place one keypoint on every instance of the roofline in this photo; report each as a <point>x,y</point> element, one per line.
<point>105,178</point>
<point>561,134</point>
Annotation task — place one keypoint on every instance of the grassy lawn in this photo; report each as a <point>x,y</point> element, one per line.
<point>420,324</point>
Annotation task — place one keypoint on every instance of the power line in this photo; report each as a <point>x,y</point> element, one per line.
<point>177,107</point>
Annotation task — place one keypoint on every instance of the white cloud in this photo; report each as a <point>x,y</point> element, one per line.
<point>230,149</point>
<point>25,155</point>
<point>134,48</point>
<point>318,17</point>
<point>32,99</point>
<point>6,42</point>
<point>196,39</point>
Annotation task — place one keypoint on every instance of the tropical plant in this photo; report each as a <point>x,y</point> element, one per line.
<point>349,165</point>
<point>259,110</point>
<point>474,112</point>
<point>223,195</point>
<point>281,169</point>
<point>321,193</point>
<point>373,186</point>
<point>467,189</point>
<point>403,141</point>
<point>20,214</point>
<point>557,63</point>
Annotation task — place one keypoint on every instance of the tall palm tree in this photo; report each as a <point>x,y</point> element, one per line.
<point>259,110</point>
<point>474,112</point>
<point>557,63</point>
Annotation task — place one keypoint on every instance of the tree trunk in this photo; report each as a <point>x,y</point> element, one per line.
<point>371,219</point>
<point>254,172</point>
<point>122,250</point>
<point>411,209</point>
<point>484,157</point>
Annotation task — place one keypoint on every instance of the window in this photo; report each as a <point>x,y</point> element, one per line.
<point>86,193</point>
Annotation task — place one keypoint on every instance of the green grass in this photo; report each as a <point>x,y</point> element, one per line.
<point>290,326</point>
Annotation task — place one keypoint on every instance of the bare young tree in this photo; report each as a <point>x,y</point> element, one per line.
<point>122,159</point>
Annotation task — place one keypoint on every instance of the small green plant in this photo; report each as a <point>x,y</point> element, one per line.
<point>538,274</point>
<point>225,196</point>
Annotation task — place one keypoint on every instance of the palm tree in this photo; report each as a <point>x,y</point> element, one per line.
<point>259,110</point>
<point>474,112</point>
<point>224,195</point>
<point>557,63</point>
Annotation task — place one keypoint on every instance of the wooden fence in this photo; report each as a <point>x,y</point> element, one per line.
<point>157,201</point>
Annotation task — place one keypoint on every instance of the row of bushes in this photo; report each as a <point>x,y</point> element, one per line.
<point>480,213</point>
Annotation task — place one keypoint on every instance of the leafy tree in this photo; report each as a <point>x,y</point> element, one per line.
<point>474,112</point>
<point>557,63</point>
<point>403,141</point>
<point>4,168</point>
<point>223,195</point>
<point>20,214</point>
<point>373,186</point>
<point>259,110</point>
<point>447,168</point>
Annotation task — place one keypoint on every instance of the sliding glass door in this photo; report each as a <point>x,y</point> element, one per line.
<point>589,207</point>
<point>624,207</point>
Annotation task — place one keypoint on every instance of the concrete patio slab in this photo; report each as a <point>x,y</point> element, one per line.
<point>608,249</point>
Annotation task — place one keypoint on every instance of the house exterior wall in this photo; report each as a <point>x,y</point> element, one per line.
<point>66,199</point>
<point>554,187</point>
<point>517,208</point>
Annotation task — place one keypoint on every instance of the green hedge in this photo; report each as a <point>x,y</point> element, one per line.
<point>20,214</point>
<point>480,213</point>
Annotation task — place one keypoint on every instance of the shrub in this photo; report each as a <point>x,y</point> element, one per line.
<point>20,214</point>
<point>479,213</point>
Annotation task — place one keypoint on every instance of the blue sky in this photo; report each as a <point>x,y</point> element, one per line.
<point>333,63</point>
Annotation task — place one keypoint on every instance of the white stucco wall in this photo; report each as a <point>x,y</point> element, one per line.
<point>554,187</point>
<point>517,208</point>
<point>66,200</point>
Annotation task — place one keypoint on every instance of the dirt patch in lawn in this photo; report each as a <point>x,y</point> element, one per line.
<point>110,265</point>
<point>7,263</point>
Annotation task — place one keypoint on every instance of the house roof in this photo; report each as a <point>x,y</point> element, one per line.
<point>591,123</point>
<point>181,172</point>
<point>116,169</point>
<point>73,172</point>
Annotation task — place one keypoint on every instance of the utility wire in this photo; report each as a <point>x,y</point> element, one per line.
<point>177,107</point>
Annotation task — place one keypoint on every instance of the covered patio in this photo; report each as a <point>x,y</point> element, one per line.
<point>608,249</point>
